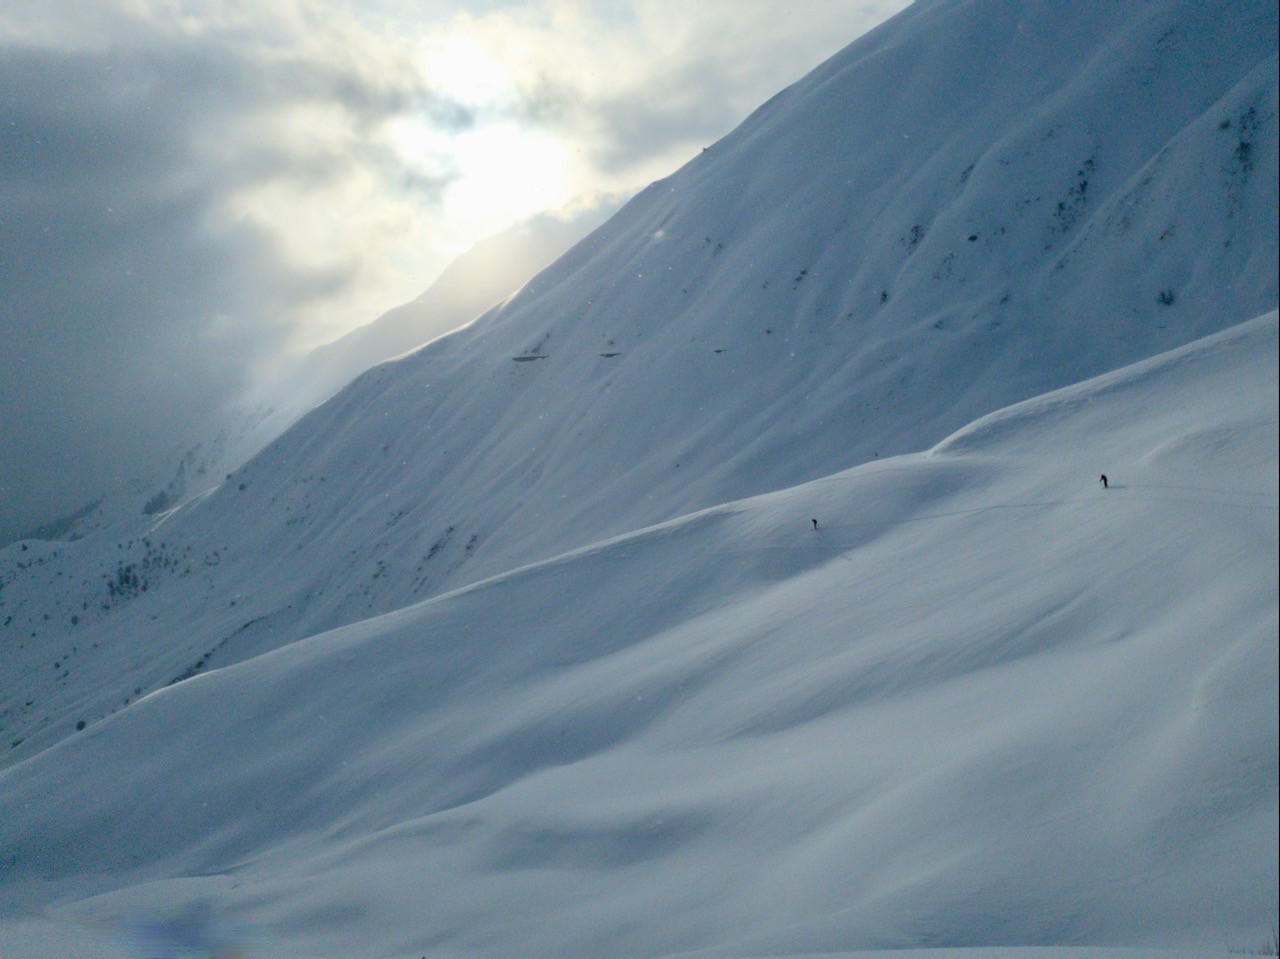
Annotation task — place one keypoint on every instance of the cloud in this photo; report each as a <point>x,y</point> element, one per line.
<point>148,265</point>
<point>640,87</point>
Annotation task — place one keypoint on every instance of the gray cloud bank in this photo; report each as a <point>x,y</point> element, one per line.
<point>134,301</point>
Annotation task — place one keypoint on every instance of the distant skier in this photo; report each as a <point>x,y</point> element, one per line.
<point>815,524</point>
<point>1103,480</point>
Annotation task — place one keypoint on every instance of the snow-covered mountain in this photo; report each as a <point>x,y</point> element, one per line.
<point>524,644</point>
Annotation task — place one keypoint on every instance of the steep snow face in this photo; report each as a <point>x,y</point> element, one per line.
<point>978,202</point>
<point>985,702</point>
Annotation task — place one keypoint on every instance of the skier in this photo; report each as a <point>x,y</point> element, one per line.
<point>1103,480</point>
<point>815,524</point>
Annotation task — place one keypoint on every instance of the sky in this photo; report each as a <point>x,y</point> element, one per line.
<point>191,191</point>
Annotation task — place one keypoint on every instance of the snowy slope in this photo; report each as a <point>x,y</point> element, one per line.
<point>973,204</point>
<point>986,703</point>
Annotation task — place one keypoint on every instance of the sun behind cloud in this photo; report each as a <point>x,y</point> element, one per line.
<point>501,167</point>
<point>465,72</point>
<point>506,172</point>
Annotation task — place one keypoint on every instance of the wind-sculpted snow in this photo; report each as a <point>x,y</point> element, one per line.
<point>985,702</point>
<point>491,657</point>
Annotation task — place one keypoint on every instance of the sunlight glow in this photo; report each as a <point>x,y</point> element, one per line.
<point>507,172</point>
<point>493,172</point>
<point>463,71</point>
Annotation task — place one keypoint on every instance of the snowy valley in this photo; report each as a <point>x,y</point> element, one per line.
<point>528,643</point>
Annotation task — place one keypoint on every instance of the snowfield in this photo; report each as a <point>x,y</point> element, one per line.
<point>546,659</point>
<point>986,701</point>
